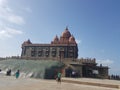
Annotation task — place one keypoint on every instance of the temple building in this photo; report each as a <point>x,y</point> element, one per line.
<point>64,49</point>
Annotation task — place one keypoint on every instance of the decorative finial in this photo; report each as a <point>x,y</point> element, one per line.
<point>56,36</point>
<point>66,27</point>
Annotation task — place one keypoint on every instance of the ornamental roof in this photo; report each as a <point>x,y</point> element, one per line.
<point>66,33</point>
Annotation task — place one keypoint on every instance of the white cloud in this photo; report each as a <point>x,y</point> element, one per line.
<point>8,18</point>
<point>3,2</point>
<point>78,41</point>
<point>16,19</point>
<point>7,14</point>
<point>9,32</point>
<point>106,62</point>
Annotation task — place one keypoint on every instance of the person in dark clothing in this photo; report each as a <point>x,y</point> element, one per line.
<point>8,72</point>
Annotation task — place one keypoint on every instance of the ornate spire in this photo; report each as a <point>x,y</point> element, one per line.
<point>66,33</point>
<point>66,28</point>
<point>55,40</point>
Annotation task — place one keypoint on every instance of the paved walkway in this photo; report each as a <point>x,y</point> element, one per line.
<point>10,83</point>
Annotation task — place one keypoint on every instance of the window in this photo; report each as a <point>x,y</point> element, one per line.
<point>53,49</point>
<point>53,53</point>
<point>32,53</point>
<point>39,53</point>
<point>47,53</point>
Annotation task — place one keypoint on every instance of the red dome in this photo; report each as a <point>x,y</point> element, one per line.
<point>56,40</point>
<point>72,39</point>
<point>66,33</point>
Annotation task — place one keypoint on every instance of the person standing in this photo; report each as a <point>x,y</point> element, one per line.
<point>8,72</point>
<point>59,77</point>
<point>17,73</point>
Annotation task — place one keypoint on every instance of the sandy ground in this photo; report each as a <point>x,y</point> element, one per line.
<point>11,83</point>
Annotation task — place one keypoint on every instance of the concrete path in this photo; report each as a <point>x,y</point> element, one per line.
<point>10,83</point>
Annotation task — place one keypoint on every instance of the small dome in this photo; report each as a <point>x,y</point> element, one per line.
<point>56,38</point>
<point>27,42</point>
<point>66,33</point>
<point>72,39</point>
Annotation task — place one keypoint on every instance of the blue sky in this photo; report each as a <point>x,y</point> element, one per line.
<point>94,23</point>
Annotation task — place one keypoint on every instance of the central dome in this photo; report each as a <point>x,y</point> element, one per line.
<point>66,33</point>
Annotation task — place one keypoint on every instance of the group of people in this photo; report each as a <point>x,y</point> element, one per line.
<point>17,74</point>
<point>114,77</point>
